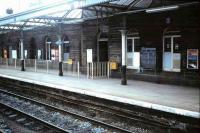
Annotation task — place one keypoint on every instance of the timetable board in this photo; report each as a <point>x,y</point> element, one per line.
<point>148,58</point>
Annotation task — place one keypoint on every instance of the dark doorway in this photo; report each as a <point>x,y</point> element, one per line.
<point>103,51</point>
<point>32,48</point>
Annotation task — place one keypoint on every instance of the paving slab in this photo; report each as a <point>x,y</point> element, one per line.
<point>182,100</point>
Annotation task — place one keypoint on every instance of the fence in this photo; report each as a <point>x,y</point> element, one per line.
<point>10,63</point>
<point>94,69</point>
<point>98,70</point>
<point>72,68</point>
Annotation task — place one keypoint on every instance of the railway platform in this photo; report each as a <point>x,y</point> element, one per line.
<point>180,100</point>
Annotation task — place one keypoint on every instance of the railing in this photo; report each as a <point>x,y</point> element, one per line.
<point>10,63</point>
<point>94,69</point>
<point>98,70</point>
<point>72,68</point>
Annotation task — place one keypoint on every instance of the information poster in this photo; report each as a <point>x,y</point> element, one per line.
<point>89,55</point>
<point>148,58</point>
<point>192,58</point>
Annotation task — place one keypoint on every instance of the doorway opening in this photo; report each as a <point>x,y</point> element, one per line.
<point>103,48</point>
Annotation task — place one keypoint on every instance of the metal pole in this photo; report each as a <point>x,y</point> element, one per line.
<point>78,67</point>
<point>22,55</point>
<point>92,71</point>
<point>60,56</point>
<point>15,63</point>
<point>46,49</point>
<point>49,51</point>
<point>35,65</point>
<point>87,70</point>
<point>108,69</point>
<point>123,69</point>
<point>47,66</point>
<point>7,62</point>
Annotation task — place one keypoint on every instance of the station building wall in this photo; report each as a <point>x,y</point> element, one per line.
<point>150,28</point>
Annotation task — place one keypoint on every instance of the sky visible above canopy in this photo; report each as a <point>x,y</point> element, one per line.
<point>22,5</point>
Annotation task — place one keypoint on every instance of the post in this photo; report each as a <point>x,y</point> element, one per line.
<point>22,54</point>
<point>108,69</point>
<point>46,49</point>
<point>87,70</point>
<point>123,68</point>
<point>47,66</point>
<point>15,63</point>
<point>35,65</point>
<point>78,69</point>
<point>60,55</point>
<point>7,62</point>
<point>92,71</point>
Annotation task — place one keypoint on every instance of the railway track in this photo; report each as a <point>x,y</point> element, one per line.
<point>120,119</point>
<point>17,102</point>
<point>25,122</point>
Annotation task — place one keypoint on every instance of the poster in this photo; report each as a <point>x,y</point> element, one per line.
<point>192,58</point>
<point>148,58</point>
<point>89,55</point>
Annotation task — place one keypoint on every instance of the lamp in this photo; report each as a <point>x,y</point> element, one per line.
<point>161,9</point>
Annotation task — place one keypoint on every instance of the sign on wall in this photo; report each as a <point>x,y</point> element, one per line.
<point>148,58</point>
<point>89,55</point>
<point>14,54</point>
<point>192,58</point>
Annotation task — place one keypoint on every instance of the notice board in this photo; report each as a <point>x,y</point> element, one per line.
<point>148,58</point>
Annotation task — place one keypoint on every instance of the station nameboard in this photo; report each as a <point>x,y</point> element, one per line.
<point>148,58</point>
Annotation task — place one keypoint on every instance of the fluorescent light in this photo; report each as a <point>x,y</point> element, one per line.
<point>161,9</point>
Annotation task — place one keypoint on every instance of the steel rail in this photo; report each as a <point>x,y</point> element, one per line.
<point>47,124</point>
<point>69,112</point>
<point>120,113</point>
<point>126,114</point>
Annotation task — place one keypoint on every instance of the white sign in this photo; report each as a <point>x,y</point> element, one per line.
<point>39,54</point>
<point>89,55</point>
<point>14,54</point>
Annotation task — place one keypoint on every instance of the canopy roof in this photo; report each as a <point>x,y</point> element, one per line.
<point>75,11</point>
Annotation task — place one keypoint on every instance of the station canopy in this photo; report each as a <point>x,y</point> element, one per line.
<point>30,14</point>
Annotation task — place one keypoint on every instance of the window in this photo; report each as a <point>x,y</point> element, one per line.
<point>39,54</point>
<point>25,54</point>
<point>133,54</point>
<point>171,53</point>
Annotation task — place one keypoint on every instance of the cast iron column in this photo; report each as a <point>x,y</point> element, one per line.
<point>60,56</point>
<point>123,69</point>
<point>22,55</point>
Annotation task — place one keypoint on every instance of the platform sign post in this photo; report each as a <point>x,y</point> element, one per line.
<point>89,61</point>
<point>35,65</point>
<point>89,56</point>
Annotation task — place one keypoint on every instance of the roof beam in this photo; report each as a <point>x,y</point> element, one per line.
<point>49,9</point>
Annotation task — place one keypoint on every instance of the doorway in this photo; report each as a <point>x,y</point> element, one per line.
<point>103,51</point>
<point>171,53</point>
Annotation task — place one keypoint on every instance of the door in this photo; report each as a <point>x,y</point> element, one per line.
<point>133,54</point>
<point>171,53</point>
<point>103,51</point>
<point>54,53</point>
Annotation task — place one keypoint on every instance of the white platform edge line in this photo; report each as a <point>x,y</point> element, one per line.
<point>173,110</point>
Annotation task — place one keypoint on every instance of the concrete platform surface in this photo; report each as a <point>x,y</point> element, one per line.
<point>170,98</point>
